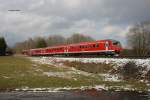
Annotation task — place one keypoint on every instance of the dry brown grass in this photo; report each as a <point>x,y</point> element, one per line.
<point>90,67</point>
<point>147,76</point>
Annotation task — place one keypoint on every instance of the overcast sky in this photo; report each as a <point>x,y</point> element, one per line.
<point>100,19</point>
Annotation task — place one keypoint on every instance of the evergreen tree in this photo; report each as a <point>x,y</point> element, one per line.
<point>40,43</point>
<point>3,46</point>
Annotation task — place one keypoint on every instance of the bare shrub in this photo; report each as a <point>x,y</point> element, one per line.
<point>131,71</point>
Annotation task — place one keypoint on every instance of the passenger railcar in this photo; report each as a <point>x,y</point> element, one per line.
<point>106,47</point>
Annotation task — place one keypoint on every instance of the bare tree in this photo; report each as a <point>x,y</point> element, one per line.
<point>19,47</point>
<point>40,42</point>
<point>76,38</point>
<point>55,40</point>
<point>139,39</point>
<point>30,43</point>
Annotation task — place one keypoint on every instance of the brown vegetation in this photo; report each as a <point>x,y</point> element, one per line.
<point>90,67</point>
<point>147,76</point>
<point>131,71</point>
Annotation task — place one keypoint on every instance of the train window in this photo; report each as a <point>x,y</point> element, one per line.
<point>115,43</point>
<point>97,45</point>
<point>106,45</point>
<point>85,46</point>
<point>93,45</point>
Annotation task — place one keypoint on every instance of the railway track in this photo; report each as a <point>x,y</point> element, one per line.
<point>94,56</point>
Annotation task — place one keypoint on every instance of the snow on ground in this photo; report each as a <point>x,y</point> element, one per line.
<point>72,71</point>
<point>69,73</point>
<point>59,89</point>
<point>56,61</point>
<point>108,77</point>
<point>97,87</point>
<point>116,61</point>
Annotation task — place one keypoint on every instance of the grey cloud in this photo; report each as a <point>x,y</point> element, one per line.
<point>91,17</point>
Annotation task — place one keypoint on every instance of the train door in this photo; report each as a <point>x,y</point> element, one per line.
<point>106,46</point>
<point>66,51</point>
<point>42,51</point>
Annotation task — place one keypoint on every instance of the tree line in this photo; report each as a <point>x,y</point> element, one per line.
<point>52,40</point>
<point>138,41</point>
<point>138,38</point>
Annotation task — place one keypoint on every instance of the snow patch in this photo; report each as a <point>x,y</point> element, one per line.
<point>108,77</point>
<point>117,62</point>
<point>82,88</point>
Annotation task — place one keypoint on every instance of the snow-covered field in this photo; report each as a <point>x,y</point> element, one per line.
<point>56,61</point>
<point>117,62</point>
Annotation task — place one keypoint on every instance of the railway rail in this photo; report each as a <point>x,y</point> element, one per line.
<point>96,56</point>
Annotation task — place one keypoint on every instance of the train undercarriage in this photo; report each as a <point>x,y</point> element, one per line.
<point>84,54</point>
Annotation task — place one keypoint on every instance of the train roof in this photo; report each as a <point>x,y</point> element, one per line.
<point>73,44</point>
<point>80,43</point>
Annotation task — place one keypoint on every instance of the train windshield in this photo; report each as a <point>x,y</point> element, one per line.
<point>116,43</point>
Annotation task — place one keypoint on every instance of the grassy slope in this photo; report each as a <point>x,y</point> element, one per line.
<point>18,72</point>
<point>103,68</point>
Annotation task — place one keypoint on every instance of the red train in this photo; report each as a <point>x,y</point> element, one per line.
<point>106,47</point>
